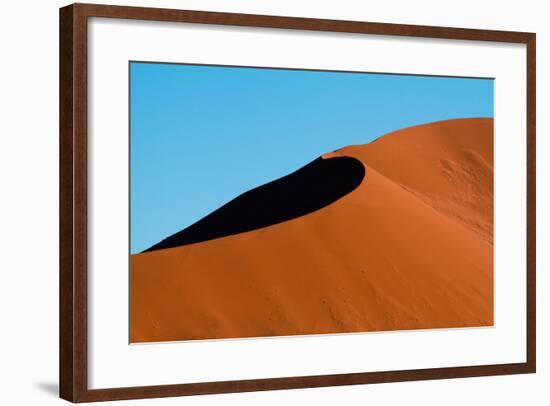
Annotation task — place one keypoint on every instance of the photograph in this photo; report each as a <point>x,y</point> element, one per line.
<point>259,201</point>
<point>271,202</point>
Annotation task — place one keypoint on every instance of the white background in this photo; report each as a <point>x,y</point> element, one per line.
<point>113,363</point>
<point>28,164</point>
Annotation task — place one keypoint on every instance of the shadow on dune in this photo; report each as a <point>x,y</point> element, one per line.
<point>316,185</point>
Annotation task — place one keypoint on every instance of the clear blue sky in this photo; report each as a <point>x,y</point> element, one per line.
<point>202,135</point>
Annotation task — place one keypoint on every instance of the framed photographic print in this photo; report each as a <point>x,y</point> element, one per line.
<point>257,202</point>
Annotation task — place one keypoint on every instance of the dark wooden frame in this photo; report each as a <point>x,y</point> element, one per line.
<point>73,202</point>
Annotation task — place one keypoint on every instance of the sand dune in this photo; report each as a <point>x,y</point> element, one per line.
<point>409,248</point>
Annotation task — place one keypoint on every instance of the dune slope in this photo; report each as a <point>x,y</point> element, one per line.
<point>409,248</point>
<point>310,188</point>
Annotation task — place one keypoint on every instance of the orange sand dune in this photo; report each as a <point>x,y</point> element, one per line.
<point>410,248</point>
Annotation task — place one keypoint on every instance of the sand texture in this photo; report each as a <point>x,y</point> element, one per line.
<point>410,248</point>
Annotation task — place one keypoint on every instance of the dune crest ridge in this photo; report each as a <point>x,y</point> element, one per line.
<point>410,248</point>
